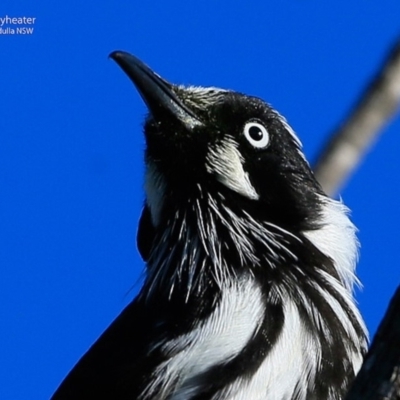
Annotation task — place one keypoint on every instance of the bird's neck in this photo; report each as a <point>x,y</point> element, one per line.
<point>202,243</point>
<point>209,261</point>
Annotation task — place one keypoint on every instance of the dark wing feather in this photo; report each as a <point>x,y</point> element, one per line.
<point>115,367</point>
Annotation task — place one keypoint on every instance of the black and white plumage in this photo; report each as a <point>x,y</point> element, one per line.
<point>250,266</point>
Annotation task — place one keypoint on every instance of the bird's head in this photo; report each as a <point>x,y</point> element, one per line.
<point>229,191</point>
<point>224,142</point>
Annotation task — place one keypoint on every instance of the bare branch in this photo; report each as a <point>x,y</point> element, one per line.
<point>379,378</point>
<point>348,144</point>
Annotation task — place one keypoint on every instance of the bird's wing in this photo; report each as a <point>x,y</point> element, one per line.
<point>115,366</point>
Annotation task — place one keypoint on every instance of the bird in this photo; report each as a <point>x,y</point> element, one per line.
<point>249,274</point>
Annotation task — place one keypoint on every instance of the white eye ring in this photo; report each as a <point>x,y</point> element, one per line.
<point>256,134</point>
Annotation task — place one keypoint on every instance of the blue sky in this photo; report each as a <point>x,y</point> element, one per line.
<point>71,149</point>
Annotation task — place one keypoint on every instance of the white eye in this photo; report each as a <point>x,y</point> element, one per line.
<point>256,134</point>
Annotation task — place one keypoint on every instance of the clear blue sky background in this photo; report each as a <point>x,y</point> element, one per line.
<point>71,149</point>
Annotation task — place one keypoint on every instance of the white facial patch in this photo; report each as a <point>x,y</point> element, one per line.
<point>226,163</point>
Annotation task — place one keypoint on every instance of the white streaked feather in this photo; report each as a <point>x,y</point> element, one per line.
<point>355,357</point>
<point>300,350</point>
<point>294,359</point>
<point>242,229</point>
<point>218,339</point>
<point>336,238</point>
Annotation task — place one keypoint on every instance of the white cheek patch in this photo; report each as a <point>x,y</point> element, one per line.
<point>154,186</point>
<point>223,161</point>
<point>226,163</point>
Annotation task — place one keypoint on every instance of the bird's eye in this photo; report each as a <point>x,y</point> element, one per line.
<point>256,134</point>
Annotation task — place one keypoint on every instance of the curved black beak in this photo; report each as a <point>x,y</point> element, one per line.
<point>155,91</point>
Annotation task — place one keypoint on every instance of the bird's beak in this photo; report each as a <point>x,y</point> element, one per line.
<point>155,91</point>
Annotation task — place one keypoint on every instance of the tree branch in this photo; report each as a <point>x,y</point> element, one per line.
<point>379,378</point>
<point>348,144</point>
